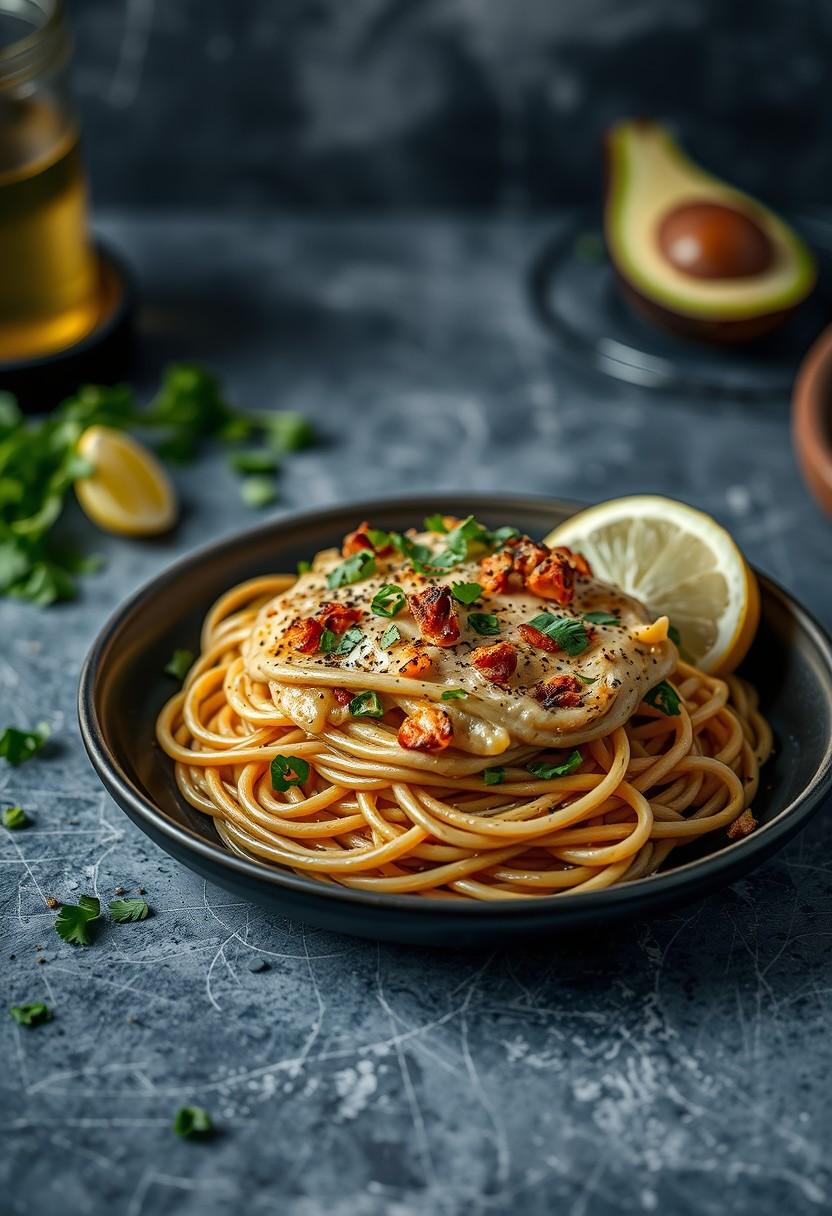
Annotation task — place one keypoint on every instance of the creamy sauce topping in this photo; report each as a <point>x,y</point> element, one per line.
<point>615,670</point>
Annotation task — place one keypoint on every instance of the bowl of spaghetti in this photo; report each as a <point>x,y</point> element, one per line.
<point>448,732</point>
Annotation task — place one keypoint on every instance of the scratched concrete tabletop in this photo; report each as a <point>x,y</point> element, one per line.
<point>674,1065</point>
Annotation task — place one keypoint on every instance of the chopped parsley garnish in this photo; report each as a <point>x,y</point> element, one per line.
<point>258,492</point>
<point>18,746</point>
<point>674,635</point>
<point>15,817</point>
<point>567,632</point>
<point>366,705</point>
<point>257,461</point>
<point>332,643</point>
<point>75,920</point>
<point>454,694</point>
<point>587,679</point>
<point>388,600</point>
<point>466,593</point>
<point>192,1123</point>
<point>304,567</point>
<point>352,570</point>
<point>435,523</point>
<point>390,636</point>
<point>502,535</point>
<point>494,776</point>
<point>539,768</point>
<point>418,555</point>
<point>665,698</point>
<point>287,771</point>
<point>124,911</point>
<point>377,538</point>
<point>485,623</point>
<point>602,618</point>
<point>179,664</point>
<point>31,1015</point>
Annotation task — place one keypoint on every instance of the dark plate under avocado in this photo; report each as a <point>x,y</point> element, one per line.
<point>123,687</point>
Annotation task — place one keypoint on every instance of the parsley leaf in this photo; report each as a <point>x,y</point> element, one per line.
<point>192,1123</point>
<point>31,1015</point>
<point>567,632</point>
<point>18,746</point>
<point>15,817</point>
<point>665,698</point>
<point>547,771</point>
<point>602,618</point>
<point>502,535</point>
<point>494,776</point>
<point>388,600</point>
<point>256,461</point>
<point>304,567</point>
<point>484,623</point>
<point>390,636</point>
<point>74,920</point>
<point>331,643</point>
<point>377,538</point>
<point>258,492</point>
<point>287,771</point>
<point>587,679</point>
<point>353,570</point>
<point>454,694</point>
<point>179,664</point>
<point>123,911</point>
<point>466,593</point>
<point>435,523</point>
<point>366,705</point>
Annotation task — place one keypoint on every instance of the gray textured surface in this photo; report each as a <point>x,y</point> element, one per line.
<point>679,1065</point>
<point>323,104</point>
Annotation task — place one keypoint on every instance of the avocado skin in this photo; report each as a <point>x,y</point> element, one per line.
<point>719,331</point>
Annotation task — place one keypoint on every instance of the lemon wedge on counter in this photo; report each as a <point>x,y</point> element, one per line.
<point>681,564</point>
<point>129,493</point>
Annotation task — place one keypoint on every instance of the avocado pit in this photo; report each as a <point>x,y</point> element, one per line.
<point>710,240</point>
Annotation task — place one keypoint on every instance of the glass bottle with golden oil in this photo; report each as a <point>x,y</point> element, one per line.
<point>48,273</point>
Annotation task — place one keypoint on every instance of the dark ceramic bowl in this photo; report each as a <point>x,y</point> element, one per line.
<point>123,687</point>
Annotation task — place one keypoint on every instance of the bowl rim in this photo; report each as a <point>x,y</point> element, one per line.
<point>145,811</point>
<point>812,395</point>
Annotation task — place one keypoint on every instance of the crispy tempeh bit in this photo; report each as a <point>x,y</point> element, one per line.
<point>427,729</point>
<point>495,663</point>
<point>434,614</point>
<point>743,826</point>
<point>561,692</point>
<point>304,636</point>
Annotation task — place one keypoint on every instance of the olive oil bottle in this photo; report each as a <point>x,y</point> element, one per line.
<point>48,285</point>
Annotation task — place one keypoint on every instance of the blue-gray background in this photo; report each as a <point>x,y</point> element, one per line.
<point>492,104</point>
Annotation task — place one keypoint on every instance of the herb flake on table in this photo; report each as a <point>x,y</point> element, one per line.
<point>31,1015</point>
<point>126,911</point>
<point>74,921</point>
<point>192,1123</point>
<point>14,817</point>
<point>17,746</point>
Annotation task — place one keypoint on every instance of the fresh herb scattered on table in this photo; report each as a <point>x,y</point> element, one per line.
<point>39,464</point>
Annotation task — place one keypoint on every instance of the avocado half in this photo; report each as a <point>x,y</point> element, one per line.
<point>692,253</point>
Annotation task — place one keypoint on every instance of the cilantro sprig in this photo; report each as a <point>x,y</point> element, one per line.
<point>568,632</point>
<point>17,746</point>
<point>664,698</point>
<point>74,923</point>
<point>546,771</point>
<point>39,464</point>
<point>352,570</point>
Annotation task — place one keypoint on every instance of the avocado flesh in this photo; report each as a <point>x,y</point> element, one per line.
<point>649,177</point>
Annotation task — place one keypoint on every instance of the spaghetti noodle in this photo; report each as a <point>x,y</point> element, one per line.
<point>302,758</point>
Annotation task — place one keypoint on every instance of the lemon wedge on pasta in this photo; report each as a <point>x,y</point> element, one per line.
<point>681,564</point>
<point>129,492</point>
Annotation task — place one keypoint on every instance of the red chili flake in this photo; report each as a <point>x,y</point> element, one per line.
<point>561,692</point>
<point>537,638</point>
<point>429,729</point>
<point>496,663</point>
<point>494,572</point>
<point>434,614</point>
<point>337,617</point>
<point>304,635</point>
<point>552,579</point>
